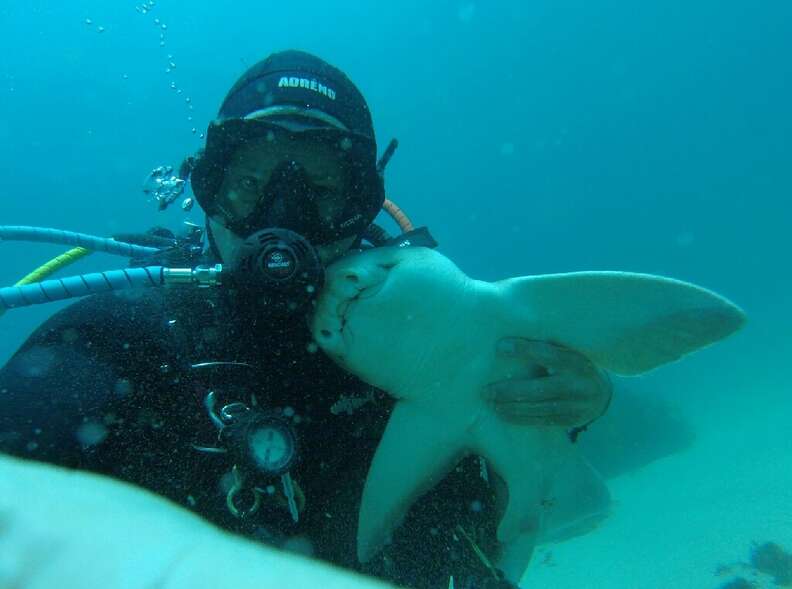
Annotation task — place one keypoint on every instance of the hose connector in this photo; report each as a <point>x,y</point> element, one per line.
<point>200,276</point>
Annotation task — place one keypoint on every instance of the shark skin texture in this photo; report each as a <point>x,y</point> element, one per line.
<point>410,322</point>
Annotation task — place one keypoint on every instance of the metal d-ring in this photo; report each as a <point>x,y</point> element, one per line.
<point>236,488</point>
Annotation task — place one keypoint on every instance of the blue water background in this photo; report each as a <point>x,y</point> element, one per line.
<point>536,137</point>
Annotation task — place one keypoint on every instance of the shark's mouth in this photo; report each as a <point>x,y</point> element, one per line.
<point>346,307</point>
<point>348,288</point>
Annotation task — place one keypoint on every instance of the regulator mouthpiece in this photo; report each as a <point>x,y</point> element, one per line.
<point>279,267</point>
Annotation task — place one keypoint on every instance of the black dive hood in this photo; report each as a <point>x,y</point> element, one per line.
<point>293,95</point>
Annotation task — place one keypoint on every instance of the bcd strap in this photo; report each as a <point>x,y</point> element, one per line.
<point>419,237</point>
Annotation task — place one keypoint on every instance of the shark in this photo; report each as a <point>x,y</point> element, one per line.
<point>408,321</point>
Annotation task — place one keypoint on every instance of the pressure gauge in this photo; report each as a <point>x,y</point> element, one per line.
<point>271,446</point>
<point>264,443</point>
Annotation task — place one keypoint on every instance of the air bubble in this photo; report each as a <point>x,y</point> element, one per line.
<point>173,85</point>
<point>100,29</point>
<point>194,130</point>
<point>466,12</point>
<point>188,100</point>
<point>157,21</point>
<point>91,433</point>
<point>164,27</point>
<point>507,149</point>
<point>122,388</point>
<point>88,21</point>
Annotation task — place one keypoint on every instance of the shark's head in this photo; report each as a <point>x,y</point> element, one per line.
<point>389,303</point>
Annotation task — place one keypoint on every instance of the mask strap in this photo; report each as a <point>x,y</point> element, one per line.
<point>210,240</point>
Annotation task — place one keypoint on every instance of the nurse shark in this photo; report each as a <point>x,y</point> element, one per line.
<point>411,323</point>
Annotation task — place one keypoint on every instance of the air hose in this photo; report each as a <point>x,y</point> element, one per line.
<point>46,270</point>
<point>13,297</point>
<point>42,272</point>
<point>398,215</point>
<point>34,290</point>
<point>90,242</point>
<point>78,286</point>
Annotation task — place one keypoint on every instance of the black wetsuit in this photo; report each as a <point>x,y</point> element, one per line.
<point>107,385</point>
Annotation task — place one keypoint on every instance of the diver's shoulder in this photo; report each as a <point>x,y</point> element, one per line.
<point>107,310</point>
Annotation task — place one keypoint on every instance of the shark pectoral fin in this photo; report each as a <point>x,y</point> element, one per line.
<point>523,458</point>
<point>416,451</point>
<point>626,323</point>
<point>575,503</point>
<point>578,500</point>
<point>515,556</point>
<point>523,509</point>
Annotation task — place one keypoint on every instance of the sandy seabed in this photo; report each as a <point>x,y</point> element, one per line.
<point>678,521</point>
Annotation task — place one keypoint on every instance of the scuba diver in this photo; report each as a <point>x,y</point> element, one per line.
<point>217,398</point>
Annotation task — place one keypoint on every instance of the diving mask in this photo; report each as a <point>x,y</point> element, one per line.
<point>319,182</point>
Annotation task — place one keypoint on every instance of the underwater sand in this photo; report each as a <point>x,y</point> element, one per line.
<point>677,520</point>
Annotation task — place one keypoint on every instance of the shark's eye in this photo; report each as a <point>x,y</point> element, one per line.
<point>388,265</point>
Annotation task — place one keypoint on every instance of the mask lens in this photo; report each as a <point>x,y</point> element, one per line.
<point>241,195</point>
<point>302,182</point>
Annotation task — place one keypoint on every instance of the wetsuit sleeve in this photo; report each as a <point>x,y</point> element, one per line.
<point>451,531</point>
<point>67,385</point>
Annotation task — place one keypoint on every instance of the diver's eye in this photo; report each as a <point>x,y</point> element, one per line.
<point>248,183</point>
<point>327,181</point>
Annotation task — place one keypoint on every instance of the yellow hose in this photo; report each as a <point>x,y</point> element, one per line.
<point>45,270</point>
